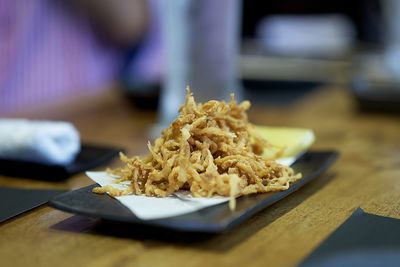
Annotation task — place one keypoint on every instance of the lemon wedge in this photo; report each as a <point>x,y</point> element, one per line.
<point>293,141</point>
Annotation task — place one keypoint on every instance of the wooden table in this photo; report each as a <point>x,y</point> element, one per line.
<point>367,175</point>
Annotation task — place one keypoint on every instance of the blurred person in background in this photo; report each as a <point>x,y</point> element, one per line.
<point>55,50</point>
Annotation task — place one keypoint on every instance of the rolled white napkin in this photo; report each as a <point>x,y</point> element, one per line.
<point>48,142</point>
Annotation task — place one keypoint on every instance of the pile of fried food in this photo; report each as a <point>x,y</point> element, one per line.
<point>209,149</point>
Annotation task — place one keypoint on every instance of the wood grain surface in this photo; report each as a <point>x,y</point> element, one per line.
<point>366,175</point>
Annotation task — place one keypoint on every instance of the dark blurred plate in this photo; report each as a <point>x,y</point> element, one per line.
<point>277,92</point>
<point>89,157</point>
<point>208,220</point>
<point>377,96</point>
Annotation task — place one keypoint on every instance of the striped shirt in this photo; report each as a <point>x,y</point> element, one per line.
<point>47,54</point>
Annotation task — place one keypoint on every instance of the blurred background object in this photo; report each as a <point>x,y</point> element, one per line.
<point>376,73</point>
<point>292,47</point>
<point>392,45</point>
<point>306,35</point>
<point>202,47</point>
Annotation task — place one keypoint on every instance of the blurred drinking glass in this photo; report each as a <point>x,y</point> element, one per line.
<point>202,43</point>
<point>392,51</point>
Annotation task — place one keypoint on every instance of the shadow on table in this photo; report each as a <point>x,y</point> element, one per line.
<point>217,242</point>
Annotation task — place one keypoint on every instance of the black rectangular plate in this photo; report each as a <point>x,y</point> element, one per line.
<point>213,219</point>
<point>15,201</point>
<point>89,157</point>
<point>362,240</point>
